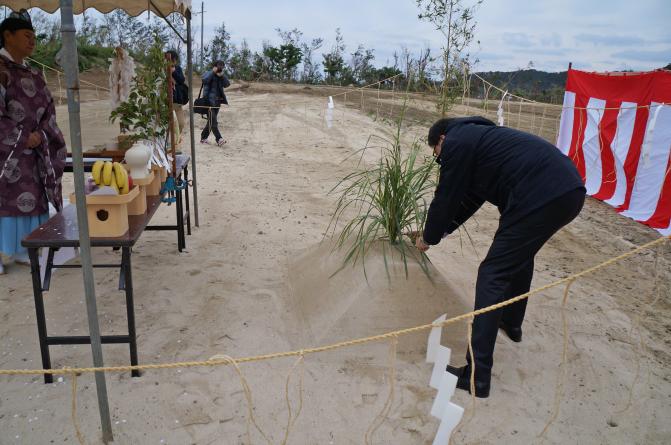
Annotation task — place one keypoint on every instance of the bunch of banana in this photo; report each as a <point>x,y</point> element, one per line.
<point>112,174</point>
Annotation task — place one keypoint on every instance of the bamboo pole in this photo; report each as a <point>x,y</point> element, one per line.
<point>171,107</point>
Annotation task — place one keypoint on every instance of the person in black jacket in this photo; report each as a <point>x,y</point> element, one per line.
<point>180,93</point>
<point>214,82</point>
<point>537,190</point>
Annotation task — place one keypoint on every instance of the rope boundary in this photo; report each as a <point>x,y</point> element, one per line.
<point>226,360</point>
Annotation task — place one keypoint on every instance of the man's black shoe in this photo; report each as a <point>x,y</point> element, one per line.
<point>464,381</point>
<point>515,334</point>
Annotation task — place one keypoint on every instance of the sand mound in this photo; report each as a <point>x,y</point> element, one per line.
<point>350,304</point>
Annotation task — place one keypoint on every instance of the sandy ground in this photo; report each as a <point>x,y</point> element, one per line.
<point>255,280</point>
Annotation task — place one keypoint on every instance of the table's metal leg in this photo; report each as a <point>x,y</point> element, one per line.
<point>186,194</point>
<point>130,307</point>
<point>39,312</point>
<point>181,242</point>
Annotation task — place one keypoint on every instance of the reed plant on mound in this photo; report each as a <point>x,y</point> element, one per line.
<point>386,202</point>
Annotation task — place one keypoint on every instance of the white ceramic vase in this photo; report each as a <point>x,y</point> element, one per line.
<point>137,158</point>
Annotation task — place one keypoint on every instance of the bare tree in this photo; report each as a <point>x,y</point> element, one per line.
<point>311,72</point>
<point>291,37</point>
<point>457,24</point>
<point>333,60</point>
<point>424,61</point>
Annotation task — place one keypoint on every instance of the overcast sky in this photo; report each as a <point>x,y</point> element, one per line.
<point>593,34</point>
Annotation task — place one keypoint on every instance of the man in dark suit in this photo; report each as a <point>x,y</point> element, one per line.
<point>537,190</point>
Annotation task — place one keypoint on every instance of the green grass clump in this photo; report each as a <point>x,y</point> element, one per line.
<point>389,201</point>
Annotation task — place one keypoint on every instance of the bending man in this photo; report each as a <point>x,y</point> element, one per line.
<point>537,190</point>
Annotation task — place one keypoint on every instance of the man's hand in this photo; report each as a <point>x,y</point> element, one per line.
<point>420,244</point>
<point>34,140</point>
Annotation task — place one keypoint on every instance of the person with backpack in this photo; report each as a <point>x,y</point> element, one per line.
<point>180,93</point>
<point>214,82</point>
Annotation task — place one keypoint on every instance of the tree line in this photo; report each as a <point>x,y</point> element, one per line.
<point>291,58</point>
<point>297,59</point>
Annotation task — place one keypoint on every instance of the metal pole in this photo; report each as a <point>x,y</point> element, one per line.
<point>72,83</point>
<point>189,73</point>
<point>202,27</point>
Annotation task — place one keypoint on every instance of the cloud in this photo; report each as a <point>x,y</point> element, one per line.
<point>518,39</point>
<point>489,56</point>
<point>545,52</point>
<point>609,40</point>
<point>553,39</point>
<point>663,56</point>
<point>593,34</point>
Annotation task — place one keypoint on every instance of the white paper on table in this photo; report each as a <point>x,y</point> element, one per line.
<point>450,419</point>
<point>104,190</point>
<point>448,384</point>
<point>161,157</point>
<point>442,359</point>
<point>168,162</point>
<point>61,256</point>
<point>434,340</point>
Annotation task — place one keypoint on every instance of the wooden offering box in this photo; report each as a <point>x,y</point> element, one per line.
<point>108,214</point>
<point>138,206</point>
<point>154,189</point>
<point>161,172</point>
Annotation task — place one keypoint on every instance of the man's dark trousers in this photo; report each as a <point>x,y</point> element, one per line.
<point>212,125</point>
<point>507,271</point>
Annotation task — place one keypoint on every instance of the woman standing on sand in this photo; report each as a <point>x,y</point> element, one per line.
<point>32,149</point>
<point>180,93</point>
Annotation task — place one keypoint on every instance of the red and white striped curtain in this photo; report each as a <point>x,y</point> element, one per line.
<point>617,130</point>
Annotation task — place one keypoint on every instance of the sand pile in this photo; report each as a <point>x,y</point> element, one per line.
<point>353,303</point>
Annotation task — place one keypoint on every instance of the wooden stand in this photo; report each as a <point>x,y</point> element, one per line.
<point>164,175</point>
<point>154,189</point>
<point>108,214</point>
<point>138,206</point>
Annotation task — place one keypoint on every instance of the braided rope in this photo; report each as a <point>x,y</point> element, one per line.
<point>61,72</point>
<point>561,375</point>
<point>216,361</point>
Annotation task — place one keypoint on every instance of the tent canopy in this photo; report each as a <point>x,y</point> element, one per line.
<point>132,7</point>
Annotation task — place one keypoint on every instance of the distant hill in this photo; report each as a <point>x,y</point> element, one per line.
<point>532,84</point>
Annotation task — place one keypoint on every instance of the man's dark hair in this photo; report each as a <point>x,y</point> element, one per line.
<point>217,63</point>
<point>174,55</point>
<point>437,130</point>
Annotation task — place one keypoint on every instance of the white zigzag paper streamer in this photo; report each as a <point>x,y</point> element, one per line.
<point>446,383</point>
